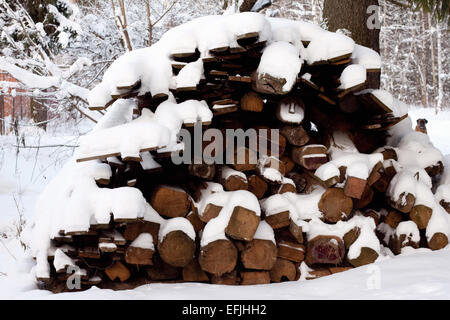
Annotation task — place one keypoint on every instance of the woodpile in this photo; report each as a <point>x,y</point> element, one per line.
<point>124,253</point>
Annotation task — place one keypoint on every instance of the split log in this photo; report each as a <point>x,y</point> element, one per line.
<point>194,219</point>
<point>365,199</point>
<point>118,271</point>
<point>257,186</point>
<point>194,273</point>
<point>233,180</point>
<point>254,277</point>
<point>284,187</point>
<point>230,279</point>
<point>295,135</point>
<point>291,251</point>
<point>334,270</point>
<point>421,215</point>
<point>205,171</point>
<point>243,224</point>
<point>386,175</point>
<point>283,270</point>
<point>278,220</point>
<point>133,230</point>
<point>351,236</point>
<point>210,212</point>
<point>367,255</point>
<point>310,157</point>
<point>397,242</point>
<point>218,257</point>
<point>176,249</point>
<point>139,256</point>
<point>318,273</point>
<point>335,205</point>
<point>259,255</point>
<point>265,83</point>
<point>445,205</point>
<point>252,101</point>
<point>438,241</point>
<point>296,231</point>
<point>354,187</point>
<point>325,250</point>
<point>170,202</point>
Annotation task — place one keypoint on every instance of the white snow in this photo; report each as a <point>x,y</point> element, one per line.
<point>62,261</point>
<point>176,224</point>
<point>281,60</point>
<point>265,232</point>
<point>143,241</point>
<point>353,75</point>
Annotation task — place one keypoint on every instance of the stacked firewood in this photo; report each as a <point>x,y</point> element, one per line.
<point>260,245</point>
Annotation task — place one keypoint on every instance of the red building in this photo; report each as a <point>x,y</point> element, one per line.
<point>15,103</point>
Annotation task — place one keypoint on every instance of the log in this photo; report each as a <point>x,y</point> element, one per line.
<point>300,181</point>
<point>397,242</point>
<point>291,110</point>
<point>393,218</point>
<point>278,220</point>
<point>218,257</point>
<point>335,205</point>
<point>210,212</point>
<point>445,205</point>
<point>257,186</point>
<point>118,271</point>
<point>367,256</point>
<point>205,171</point>
<point>170,202</point>
<point>295,135</point>
<point>310,157</point>
<point>176,249</point>
<point>283,270</point>
<point>291,251</point>
<point>354,187</point>
<point>288,164</point>
<point>194,273</point>
<point>230,279</point>
<point>249,161</point>
<point>161,271</point>
<point>254,277</point>
<point>251,101</point>
<point>386,175</point>
<point>438,241</point>
<point>325,250</point>
<point>259,255</point>
<point>242,224</point>
<point>404,203</point>
<point>421,215</point>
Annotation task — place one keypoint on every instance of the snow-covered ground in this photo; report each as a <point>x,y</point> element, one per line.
<point>421,275</point>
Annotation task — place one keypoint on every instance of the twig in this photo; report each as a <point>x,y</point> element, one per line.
<point>48,146</point>
<point>7,249</point>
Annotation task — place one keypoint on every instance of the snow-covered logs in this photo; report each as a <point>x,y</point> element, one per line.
<point>345,176</point>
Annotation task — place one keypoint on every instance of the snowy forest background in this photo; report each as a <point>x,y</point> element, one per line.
<point>75,43</point>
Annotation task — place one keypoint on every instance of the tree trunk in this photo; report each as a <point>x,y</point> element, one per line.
<point>352,15</point>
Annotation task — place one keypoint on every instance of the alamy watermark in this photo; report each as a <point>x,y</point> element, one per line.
<point>229,146</point>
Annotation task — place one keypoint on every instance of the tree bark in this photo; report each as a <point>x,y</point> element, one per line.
<point>352,15</point>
